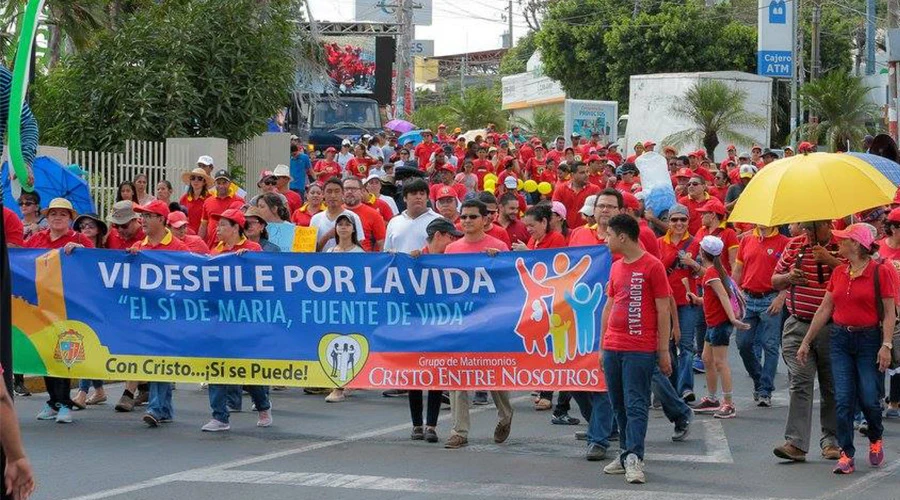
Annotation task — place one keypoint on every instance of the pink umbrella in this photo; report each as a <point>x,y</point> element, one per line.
<point>400,126</point>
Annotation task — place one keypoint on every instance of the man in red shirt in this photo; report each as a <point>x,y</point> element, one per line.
<point>573,193</point>
<point>629,177</point>
<point>372,222</point>
<point>646,237</point>
<point>490,226</point>
<point>282,174</point>
<point>474,218</point>
<point>713,219</point>
<point>424,150</point>
<point>607,204</point>
<point>447,204</point>
<point>442,136</point>
<point>327,168</point>
<point>483,165</point>
<point>556,154</point>
<point>732,156</point>
<point>508,218</point>
<point>758,254</point>
<point>635,326</point>
<point>695,160</point>
<point>58,234</point>
<point>612,153</point>
<point>804,271</point>
<point>125,226</point>
<point>217,204</point>
<point>696,197</point>
<point>447,174</point>
<point>13,228</point>
<point>177,223</point>
<point>153,221</point>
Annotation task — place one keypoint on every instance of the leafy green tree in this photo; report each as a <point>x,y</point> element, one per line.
<point>843,110</point>
<point>430,116</point>
<point>716,111</point>
<point>476,107</point>
<point>544,122</point>
<point>204,67</point>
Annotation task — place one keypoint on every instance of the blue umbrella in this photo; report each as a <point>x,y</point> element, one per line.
<point>414,136</point>
<point>54,180</point>
<point>887,167</point>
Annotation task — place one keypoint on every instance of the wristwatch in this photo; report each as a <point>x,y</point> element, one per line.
<point>888,345</point>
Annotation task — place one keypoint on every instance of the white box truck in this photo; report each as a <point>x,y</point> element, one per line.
<point>652,97</point>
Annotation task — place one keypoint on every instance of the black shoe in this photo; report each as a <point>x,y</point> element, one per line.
<point>20,389</point>
<point>150,420</point>
<point>595,452</point>
<point>765,401</point>
<point>689,397</point>
<point>394,393</point>
<point>431,436</point>
<point>445,399</point>
<point>480,398</point>
<point>681,432</point>
<point>564,419</point>
<point>417,434</point>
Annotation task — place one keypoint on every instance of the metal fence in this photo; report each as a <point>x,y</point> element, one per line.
<point>263,152</point>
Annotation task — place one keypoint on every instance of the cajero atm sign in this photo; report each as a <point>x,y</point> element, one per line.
<point>776,29</point>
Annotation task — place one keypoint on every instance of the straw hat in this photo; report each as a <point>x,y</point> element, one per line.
<point>186,177</point>
<point>60,203</point>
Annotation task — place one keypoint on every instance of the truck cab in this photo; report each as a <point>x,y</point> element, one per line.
<point>326,121</point>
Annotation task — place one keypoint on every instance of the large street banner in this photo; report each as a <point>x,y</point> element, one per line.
<point>517,321</point>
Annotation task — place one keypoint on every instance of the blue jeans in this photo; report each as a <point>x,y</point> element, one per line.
<point>160,403</point>
<point>85,384</point>
<point>218,396</point>
<point>673,406</point>
<point>628,379</point>
<point>233,396</point>
<point>854,366</point>
<point>601,419</point>
<point>683,371</point>
<point>764,333</point>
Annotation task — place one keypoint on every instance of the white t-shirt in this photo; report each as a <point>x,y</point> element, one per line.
<point>321,222</point>
<point>342,159</point>
<point>391,203</point>
<point>405,234</point>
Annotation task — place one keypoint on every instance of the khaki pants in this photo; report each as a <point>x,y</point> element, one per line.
<point>459,405</point>
<point>802,379</point>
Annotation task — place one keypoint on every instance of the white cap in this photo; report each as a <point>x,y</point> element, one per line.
<point>294,137</point>
<point>346,142</point>
<point>282,171</point>
<point>712,245</point>
<point>206,160</point>
<point>371,176</point>
<point>747,171</point>
<point>588,208</point>
<point>511,182</point>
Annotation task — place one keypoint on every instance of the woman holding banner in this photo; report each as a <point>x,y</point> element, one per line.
<point>232,239</point>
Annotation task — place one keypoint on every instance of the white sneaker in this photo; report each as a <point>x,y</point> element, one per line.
<point>265,418</point>
<point>614,467</point>
<point>336,396</point>
<point>634,470</point>
<point>215,426</point>
<point>47,413</point>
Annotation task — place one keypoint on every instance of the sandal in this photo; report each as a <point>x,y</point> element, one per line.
<point>96,398</point>
<point>543,405</point>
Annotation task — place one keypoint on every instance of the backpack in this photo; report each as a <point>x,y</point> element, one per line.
<point>738,302</point>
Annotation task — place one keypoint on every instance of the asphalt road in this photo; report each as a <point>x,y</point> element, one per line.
<point>360,449</point>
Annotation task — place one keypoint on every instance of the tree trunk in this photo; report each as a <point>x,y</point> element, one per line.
<point>54,45</point>
<point>711,142</point>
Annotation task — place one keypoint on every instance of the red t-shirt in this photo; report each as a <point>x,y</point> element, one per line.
<point>13,227</point>
<point>553,239</point>
<point>573,200</point>
<point>648,238</point>
<point>517,231</point>
<point>115,242</point>
<point>705,173</point>
<point>694,217</point>
<point>854,299</point>
<point>359,167</point>
<point>634,288</point>
<point>215,205</point>
<point>668,251</point>
<point>713,311</point>
<point>302,216</point>
<point>325,170</point>
<point>381,206</point>
<point>887,252</point>
<point>759,256</point>
<point>458,189</point>
<point>728,237</point>
<point>423,153</point>
<point>463,246</point>
<point>294,200</point>
<point>42,239</point>
<point>556,155</point>
<point>169,243</point>
<point>251,246</point>
<point>195,210</point>
<point>372,223</point>
<point>195,244</point>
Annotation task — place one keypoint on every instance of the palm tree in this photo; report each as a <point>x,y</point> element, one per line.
<point>544,122</point>
<point>840,102</point>
<point>475,107</point>
<point>716,111</point>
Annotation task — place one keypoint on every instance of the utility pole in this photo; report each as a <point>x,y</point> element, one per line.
<point>893,7</point>
<point>797,70</point>
<point>816,67</point>
<point>870,37</point>
<point>510,19</point>
<point>404,56</point>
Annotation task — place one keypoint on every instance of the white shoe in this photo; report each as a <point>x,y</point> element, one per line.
<point>215,426</point>
<point>614,467</point>
<point>336,396</point>
<point>265,419</point>
<point>634,470</point>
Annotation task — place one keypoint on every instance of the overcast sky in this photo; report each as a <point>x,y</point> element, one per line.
<point>459,25</point>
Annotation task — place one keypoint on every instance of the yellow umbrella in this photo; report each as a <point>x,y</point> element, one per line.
<point>810,187</point>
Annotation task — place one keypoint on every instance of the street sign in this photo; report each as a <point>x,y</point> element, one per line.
<point>422,48</point>
<point>385,11</point>
<point>774,41</point>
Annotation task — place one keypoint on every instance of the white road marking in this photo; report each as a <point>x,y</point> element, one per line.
<point>717,449</point>
<point>418,485</point>
<point>871,479</point>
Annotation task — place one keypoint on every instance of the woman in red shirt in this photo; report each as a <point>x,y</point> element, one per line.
<point>199,184</point>
<point>314,204</point>
<point>860,342</point>
<point>58,234</point>
<point>721,320</point>
<point>889,249</point>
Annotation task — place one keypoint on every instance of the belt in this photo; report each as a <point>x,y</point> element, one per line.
<point>802,319</point>
<point>853,329</point>
<point>758,295</point>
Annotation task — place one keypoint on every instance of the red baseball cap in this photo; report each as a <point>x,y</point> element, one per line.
<point>713,206</point>
<point>731,148</point>
<point>157,207</point>
<point>894,215</point>
<point>631,201</point>
<point>177,219</point>
<point>448,167</point>
<point>648,144</point>
<point>445,192</point>
<point>684,172</point>
<point>804,147</point>
<point>331,150</point>
<point>593,157</point>
<point>232,214</point>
